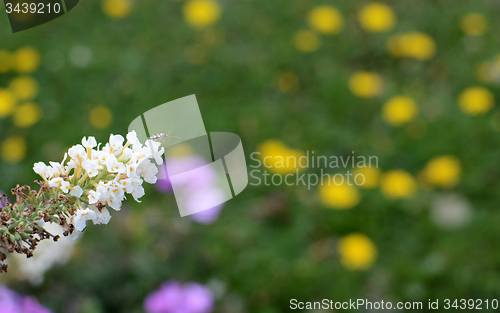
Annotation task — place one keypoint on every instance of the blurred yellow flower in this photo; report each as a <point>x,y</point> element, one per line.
<point>326,19</point>
<point>26,60</point>
<point>474,24</point>
<point>398,184</point>
<point>371,175</point>
<point>7,102</point>
<point>415,45</point>
<point>420,46</point>
<point>377,17</point>
<point>365,84</point>
<point>278,158</point>
<point>24,87</point>
<point>357,251</point>
<point>201,13</point>
<point>485,72</point>
<point>13,149</point>
<point>117,8</point>
<point>306,41</point>
<point>288,82</point>
<point>5,61</point>
<point>341,196</point>
<point>399,110</point>
<point>488,71</point>
<point>27,114</point>
<point>100,117</point>
<point>442,171</point>
<point>476,100</point>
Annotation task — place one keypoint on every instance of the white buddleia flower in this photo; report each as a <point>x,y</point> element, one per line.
<point>115,166</point>
<point>42,169</point>
<point>82,216</point>
<point>103,216</point>
<point>92,167</point>
<point>59,182</point>
<point>56,168</point>
<point>132,138</point>
<point>89,143</point>
<point>76,191</point>
<point>116,142</point>
<point>148,171</point>
<point>77,153</point>
<point>100,194</point>
<point>154,152</point>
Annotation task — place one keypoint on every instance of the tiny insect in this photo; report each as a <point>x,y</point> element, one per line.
<point>161,136</point>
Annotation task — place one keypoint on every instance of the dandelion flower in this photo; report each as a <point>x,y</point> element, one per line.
<point>357,251</point>
<point>377,17</point>
<point>326,19</point>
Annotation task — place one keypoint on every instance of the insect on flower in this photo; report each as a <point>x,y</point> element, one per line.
<point>161,136</point>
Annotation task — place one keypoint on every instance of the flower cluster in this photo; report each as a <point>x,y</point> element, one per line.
<point>11,302</point>
<point>82,187</point>
<point>172,297</point>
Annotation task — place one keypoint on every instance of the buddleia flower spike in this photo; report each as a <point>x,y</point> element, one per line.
<point>84,186</point>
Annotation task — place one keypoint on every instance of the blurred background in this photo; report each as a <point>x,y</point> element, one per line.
<point>412,82</point>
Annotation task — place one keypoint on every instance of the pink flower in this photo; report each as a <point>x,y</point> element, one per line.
<point>172,297</point>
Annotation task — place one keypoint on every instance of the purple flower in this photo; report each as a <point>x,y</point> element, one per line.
<point>172,297</point>
<point>198,186</point>
<point>11,302</point>
<point>30,305</point>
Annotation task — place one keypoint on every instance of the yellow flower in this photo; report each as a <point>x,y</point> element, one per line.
<point>100,117</point>
<point>443,171</point>
<point>278,158</point>
<point>306,41</point>
<point>117,8</point>
<point>26,60</point>
<point>341,196</point>
<point>326,19</point>
<point>5,61</point>
<point>398,184</point>
<point>24,88</point>
<point>399,110</point>
<point>377,17</point>
<point>357,251</point>
<point>201,13</point>
<point>474,24</point>
<point>288,82</point>
<point>476,100</point>
<point>371,176</point>
<point>420,46</point>
<point>365,84</point>
<point>13,149</point>
<point>486,72</point>
<point>415,45</point>
<point>7,102</point>
<point>27,114</point>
